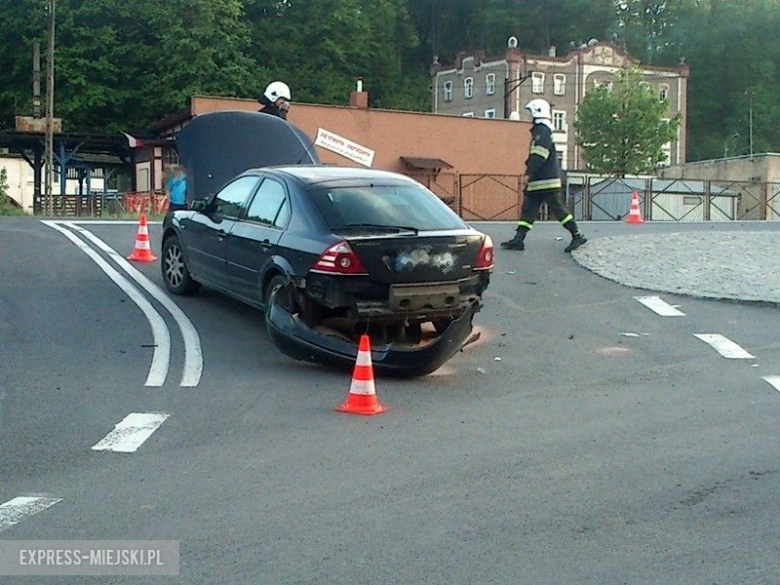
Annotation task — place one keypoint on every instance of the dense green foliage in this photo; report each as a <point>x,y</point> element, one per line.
<point>123,65</point>
<point>622,130</point>
<point>6,205</point>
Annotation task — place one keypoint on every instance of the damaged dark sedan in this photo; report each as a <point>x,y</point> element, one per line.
<point>329,253</point>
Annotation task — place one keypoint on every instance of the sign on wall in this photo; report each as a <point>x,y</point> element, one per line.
<point>346,148</point>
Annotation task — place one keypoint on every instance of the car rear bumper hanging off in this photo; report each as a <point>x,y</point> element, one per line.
<point>295,339</point>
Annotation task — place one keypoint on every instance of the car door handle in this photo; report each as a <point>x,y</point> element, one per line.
<point>221,234</point>
<point>266,243</point>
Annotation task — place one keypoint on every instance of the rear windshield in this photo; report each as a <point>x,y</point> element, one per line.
<point>392,206</point>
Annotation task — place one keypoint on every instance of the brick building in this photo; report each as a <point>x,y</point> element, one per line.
<point>495,87</point>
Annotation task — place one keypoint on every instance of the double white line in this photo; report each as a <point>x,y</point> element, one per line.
<point>158,371</point>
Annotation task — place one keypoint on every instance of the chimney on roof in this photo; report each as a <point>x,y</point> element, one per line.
<point>552,51</point>
<point>359,98</point>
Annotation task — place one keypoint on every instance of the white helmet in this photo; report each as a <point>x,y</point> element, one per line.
<point>276,90</point>
<point>540,109</point>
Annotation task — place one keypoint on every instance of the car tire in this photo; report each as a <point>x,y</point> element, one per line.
<point>175,273</point>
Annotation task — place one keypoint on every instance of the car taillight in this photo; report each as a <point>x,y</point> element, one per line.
<point>485,258</point>
<point>340,258</point>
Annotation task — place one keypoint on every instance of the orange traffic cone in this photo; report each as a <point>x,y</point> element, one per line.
<point>634,216</point>
<point>142,251</point>
<point>362,394</point>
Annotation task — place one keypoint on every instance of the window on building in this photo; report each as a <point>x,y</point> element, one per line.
<point>490,113</point>
<point>490,83</point>
<point>537,82</point>
<point>468,115</point>
<point>468,88</point>
<point>559,120</point>
<point>447,91</point>
<point>663,92</point>
<point>605,84</point>
<point>170,157</point>
<point>559,84</point>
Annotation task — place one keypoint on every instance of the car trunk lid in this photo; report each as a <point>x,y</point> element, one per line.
<point>402,259</point>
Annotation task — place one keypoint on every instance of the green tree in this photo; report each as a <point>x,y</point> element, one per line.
<point>734,73</point>
<point>22,23</point>
<point>622,131</point>
<point>3,187</point>
<point>7,206</point>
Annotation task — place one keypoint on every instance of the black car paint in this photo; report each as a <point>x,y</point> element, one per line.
<point>240,257</point>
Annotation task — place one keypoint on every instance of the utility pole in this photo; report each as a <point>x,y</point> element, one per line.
<point>751,123</point>
<point>49,196</point>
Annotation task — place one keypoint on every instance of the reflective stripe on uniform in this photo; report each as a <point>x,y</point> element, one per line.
<point>567,219</point>
<point>540,151</point>
<point>544,184</point>
<point>525,224</point>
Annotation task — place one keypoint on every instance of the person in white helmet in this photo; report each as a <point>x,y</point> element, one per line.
<point>542,181</point>
<point>276,99</point>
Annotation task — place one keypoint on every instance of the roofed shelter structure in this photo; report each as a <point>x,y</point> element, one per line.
<point>76,155</point>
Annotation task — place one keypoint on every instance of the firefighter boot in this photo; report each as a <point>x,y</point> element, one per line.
<point>577,239</point>
<point>516,243</point>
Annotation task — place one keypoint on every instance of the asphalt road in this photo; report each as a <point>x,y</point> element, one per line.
<point>607,444</point>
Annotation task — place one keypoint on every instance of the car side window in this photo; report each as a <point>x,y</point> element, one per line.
<point>231,201</point>
<point>269,205</point>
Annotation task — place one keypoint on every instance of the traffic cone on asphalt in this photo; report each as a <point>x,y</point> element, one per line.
<point>634,216</point>
<point>362,394</point>
<point>142,251</point>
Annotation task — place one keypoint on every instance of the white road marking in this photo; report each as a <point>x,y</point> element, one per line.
<point>14,511</point>
<point>724,346</point>
<point>132,432</point>
<point>193,354</point>
<point>660,306</point>
<point>774,381</point>
<point>158,370</point>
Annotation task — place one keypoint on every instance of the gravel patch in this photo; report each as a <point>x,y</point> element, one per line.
<point>743,266</point>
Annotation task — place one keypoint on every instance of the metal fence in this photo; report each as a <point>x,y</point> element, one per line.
<point>102,204</point>
<point>605,198</point>
<point>480,197</point>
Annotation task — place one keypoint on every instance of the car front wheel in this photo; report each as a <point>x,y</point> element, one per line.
<point>174,269</point>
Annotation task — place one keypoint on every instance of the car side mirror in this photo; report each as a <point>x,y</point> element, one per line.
<point>199,205</point>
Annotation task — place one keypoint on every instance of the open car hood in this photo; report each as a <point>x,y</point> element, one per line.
<point>216,147</point>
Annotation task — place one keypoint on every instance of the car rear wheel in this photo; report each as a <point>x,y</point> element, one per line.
<point>174,269</point>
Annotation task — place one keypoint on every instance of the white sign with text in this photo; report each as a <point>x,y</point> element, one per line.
<point>344,147</point>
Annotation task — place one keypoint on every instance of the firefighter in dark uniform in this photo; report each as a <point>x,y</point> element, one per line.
<point>276,99</point>
<point>543,182</point>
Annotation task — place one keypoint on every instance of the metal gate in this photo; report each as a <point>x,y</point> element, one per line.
<point>490,197</point>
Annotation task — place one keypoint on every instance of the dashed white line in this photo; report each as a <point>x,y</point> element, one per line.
<point>161,356</point>
<point>129,434</point>
<point>774,381</point>
<point>724,346</point>
<point>660,306</point>
<point>193,354</point>
<point>14,511</point>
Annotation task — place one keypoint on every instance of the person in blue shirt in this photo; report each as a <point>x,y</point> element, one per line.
<point>177,189</point>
